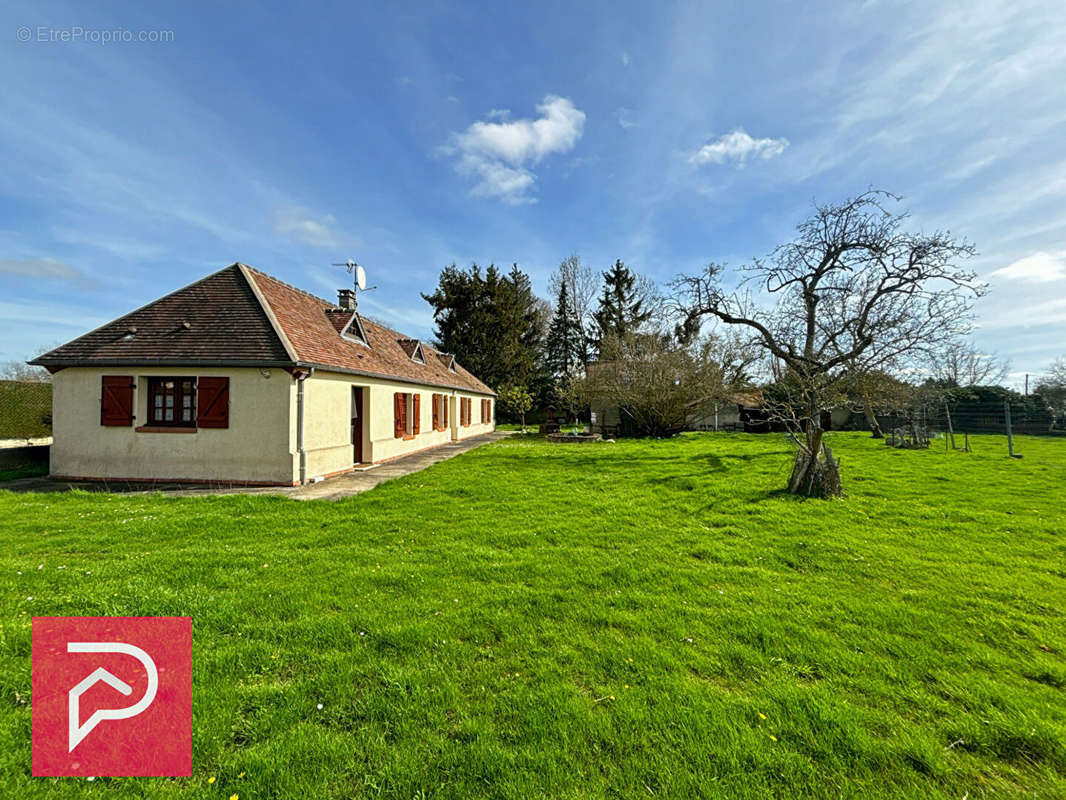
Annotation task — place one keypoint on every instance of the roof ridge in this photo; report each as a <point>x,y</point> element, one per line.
<point>331,306</point>
<point>287,285</point>
<point>272,317</point>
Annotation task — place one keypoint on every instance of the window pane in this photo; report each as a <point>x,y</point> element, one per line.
<point>169,415</point>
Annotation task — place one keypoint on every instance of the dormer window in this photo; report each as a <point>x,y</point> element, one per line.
<point>413,348</point>
<point>353,331</point>
<point>448,360</point>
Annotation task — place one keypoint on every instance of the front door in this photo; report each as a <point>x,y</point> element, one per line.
<point>357,424</point>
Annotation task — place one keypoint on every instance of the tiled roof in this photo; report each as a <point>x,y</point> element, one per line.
<point>240,315</point>
<point>224,322</point>
<point>310,324</point>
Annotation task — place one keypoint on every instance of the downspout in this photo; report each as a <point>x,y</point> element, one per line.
<point>453,422</point>
<point>300,378</point>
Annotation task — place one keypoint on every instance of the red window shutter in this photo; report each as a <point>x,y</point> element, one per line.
<point>116,400</point>
<point>416,410</point>
<point>399,404</point>
<point>212,403</point>
<point>436,412</point>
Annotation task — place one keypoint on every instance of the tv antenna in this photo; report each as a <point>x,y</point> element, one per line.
<point>358,276</point>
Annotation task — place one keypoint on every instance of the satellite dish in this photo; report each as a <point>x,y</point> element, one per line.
<point>360,277</point>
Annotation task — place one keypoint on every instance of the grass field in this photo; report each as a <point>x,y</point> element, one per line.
<point>637,619</point>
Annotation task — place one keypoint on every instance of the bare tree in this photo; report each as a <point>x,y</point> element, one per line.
<point>852,292</point>
<point>654,380</point>
<point>582,286</point>
<point>19,371</point>
<point>870,392</point>
<point>1052,386</point>
<point>962,364</point>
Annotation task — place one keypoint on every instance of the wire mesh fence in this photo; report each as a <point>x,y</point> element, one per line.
<point>953,420</point>
<point>25,410</point>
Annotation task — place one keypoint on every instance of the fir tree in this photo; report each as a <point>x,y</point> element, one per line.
<point>621,311</point>
<point>492,323</point>
<point>565,343</point>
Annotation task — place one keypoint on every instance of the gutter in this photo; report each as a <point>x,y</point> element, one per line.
<point>394,378</point>
<point>300,378</point>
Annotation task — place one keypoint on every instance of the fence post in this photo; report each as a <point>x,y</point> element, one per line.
<point>951,431</point>
<point>1010,434</point>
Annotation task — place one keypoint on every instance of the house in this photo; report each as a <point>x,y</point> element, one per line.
<point>720,413</point>
<point>241,378</point>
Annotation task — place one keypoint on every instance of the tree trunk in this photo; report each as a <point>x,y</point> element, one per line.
<point>815,473</point>
<point>871,418</point>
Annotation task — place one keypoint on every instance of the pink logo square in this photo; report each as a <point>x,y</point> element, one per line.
<point>112,696</point>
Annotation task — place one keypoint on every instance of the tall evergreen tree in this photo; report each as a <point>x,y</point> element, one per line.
<point>519,340</point>
<point>582,286</point>
<point>492,323</point>
<point>565,343</point>
<point>621,310</point>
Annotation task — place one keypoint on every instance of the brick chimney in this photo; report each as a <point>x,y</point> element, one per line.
<point>346,299</point>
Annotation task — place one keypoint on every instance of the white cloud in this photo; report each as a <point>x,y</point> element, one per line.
<point>737,147</point>
<point>625,118</point>
<point>625,58</point>
<point>46,268</point>
<point>1038,268</point>
<point>302,225</point>
<point>498,155</point>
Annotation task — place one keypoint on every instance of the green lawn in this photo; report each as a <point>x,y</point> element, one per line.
<point>637,619</point>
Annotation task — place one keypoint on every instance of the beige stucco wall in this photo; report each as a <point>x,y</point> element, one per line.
<point>327,421</point>
<point>260,444</point>
<point>255,446</point>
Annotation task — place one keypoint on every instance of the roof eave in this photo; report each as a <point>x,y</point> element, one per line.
<point>395,378</point>
<point>158,362</point>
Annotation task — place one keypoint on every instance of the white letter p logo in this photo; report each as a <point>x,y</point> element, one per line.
<point>78,732</point>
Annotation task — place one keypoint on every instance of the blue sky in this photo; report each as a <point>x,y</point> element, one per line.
<point>409,136</point>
